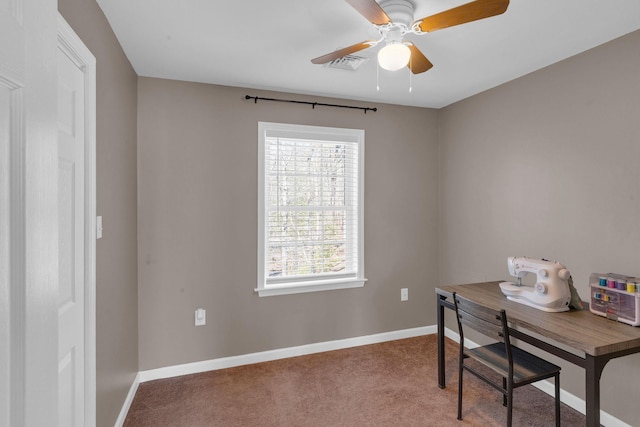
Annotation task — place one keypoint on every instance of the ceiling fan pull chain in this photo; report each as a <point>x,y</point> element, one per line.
<point>377,76</point>
<point>410,75</point>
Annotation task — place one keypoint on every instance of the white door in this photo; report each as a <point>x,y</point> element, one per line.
<point>11,83</point>
<point>6,125</point>
<point>76,230</point>
<point>28,213</point>
<point>71,242</point>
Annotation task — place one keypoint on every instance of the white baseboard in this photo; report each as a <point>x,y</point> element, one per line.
<point>127,402</point>
<point>266,356</point>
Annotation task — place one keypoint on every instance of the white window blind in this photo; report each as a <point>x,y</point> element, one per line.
<point>311,208</point>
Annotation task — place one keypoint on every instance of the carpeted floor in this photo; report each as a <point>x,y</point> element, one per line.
<point>387,384</point>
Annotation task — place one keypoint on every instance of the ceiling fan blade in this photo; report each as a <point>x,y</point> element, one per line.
<point>418,63</point>
<point>370,10</point>
<point>469,12</point>
<point>343,52</point>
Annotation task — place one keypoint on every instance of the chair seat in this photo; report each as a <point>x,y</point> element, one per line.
<point>527,367</point>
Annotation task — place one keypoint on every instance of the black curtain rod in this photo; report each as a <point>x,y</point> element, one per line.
<point>313,104</point>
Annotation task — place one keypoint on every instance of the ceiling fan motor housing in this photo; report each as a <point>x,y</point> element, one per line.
<point>400,11</point>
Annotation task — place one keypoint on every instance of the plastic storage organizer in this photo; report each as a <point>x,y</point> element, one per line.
<point>615,297</point>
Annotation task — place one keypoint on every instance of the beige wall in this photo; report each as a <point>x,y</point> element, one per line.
<point>117,299</point>
<point>197,175</point>
<point>549,166</point>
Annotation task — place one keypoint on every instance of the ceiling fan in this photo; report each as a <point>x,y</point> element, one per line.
<point>398,53</point>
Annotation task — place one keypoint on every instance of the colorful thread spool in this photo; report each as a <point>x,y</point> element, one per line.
<point>631,287</point>
<point>602,281</point>
<point>621,285</point>
<point>611,283</point>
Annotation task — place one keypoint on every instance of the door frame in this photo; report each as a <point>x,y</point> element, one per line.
<point>70,44</point>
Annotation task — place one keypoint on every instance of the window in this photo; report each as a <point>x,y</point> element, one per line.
<point>310,230</point>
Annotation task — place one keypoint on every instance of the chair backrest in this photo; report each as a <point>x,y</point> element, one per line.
<point>489,322</point>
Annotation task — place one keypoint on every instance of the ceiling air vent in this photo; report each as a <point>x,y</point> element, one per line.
<point>349,62</point>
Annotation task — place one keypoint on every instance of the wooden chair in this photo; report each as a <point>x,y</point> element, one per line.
<point>516,366</point>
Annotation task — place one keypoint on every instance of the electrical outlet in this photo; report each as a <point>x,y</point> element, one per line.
<point>201,317</point>
<point>404,294</point>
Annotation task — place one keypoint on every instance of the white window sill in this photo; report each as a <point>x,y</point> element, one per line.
<point>302,287</point>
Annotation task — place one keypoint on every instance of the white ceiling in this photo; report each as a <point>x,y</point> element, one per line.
<point>269,44</point>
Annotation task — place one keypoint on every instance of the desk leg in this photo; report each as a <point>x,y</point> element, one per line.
<point>593,370</point>
<point>441,368</point>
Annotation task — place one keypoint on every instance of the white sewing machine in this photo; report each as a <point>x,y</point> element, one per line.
<point>551,291</point>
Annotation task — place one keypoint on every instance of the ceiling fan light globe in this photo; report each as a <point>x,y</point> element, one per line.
<point>394,56</point>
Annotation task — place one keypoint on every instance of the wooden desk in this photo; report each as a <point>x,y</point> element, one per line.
<point>594,339</point>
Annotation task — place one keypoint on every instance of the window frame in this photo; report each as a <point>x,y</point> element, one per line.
<point>301,284</point>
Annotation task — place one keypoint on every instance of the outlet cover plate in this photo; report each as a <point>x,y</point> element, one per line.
<point>201,317</point>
